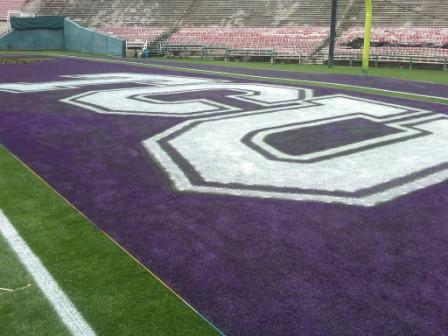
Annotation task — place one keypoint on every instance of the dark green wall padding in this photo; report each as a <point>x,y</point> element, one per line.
<point>36,39</point>
<point>39,22</point>
<point>34,34</point>
<point>80,39</point>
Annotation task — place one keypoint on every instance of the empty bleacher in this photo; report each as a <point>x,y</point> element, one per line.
<point>134,34</point>
<point>286,40</point>
<point>431,42</point>
<point>9,5</point>
<point>405,13</point>
<point>258,13</point>
<point>115,12</point>
<point>288,26</point>
<point>248,13</point>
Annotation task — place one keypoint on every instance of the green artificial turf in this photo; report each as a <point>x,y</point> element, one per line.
<point>428,76</point>
<point>115,295</point>
<point>343,88</point>
<point>25,311</point>
<point>423,75</point>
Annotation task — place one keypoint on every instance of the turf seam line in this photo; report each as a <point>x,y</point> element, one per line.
<point>151,273</point>
<point>65,309</point>
<point>9,291</point>
<point>173,67</point>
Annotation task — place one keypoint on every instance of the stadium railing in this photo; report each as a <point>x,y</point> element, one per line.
<point>4,28</point>
<point>218,52</point>
<point>401,60</point>
<point>285,40</point>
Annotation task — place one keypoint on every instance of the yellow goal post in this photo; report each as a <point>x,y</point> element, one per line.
<point>367,29</point>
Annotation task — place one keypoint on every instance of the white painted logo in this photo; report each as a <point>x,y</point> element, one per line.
<point>78,81</point>
<point>150,100</point>
<point>229,155</point>
<point>264,140</point>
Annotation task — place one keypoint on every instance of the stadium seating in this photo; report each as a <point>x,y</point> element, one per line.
<point>288,40</point>
<point>116,12</point>
<point>394,35</point>
<point>397,51</point>
<point>248,13</point>
<point>9,5</point>
<point>290,27</point>
<point>134,34</point>
<point>410,13</point>
<point>398,41</point>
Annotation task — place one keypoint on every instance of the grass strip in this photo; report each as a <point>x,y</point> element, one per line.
<point>113,293</point>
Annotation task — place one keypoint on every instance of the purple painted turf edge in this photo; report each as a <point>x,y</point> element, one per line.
<point>252,266</point>
<point>382,83</point>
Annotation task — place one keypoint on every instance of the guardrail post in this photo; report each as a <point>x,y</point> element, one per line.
<point>411,59</point>
<point>300,58</point>
<point>350,60</point>
<point>376,61</point>
<point>226,55</point>
<point>445,63</point>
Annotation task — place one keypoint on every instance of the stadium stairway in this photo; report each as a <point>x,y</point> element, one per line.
<point>351,9</point>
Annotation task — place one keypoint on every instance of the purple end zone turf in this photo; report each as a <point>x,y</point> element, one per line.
<point>252,266</point>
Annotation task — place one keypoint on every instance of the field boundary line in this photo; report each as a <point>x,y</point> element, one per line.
<point>151,273</point>
<point>65,309</point>
<point>303,81</point>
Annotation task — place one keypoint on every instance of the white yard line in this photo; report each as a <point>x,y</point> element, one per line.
<point>60,302</point>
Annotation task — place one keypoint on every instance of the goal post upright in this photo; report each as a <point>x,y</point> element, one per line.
<point>367,29</point>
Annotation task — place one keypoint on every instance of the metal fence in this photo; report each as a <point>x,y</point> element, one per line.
<point>273,56</point>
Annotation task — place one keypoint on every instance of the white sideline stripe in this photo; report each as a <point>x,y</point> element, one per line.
<point>60,302</point>
<point>303,81</point>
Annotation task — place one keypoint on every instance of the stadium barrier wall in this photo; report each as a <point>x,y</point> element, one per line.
<point>36,39</point>
<point>59,33</point>
<point>80,39</point>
